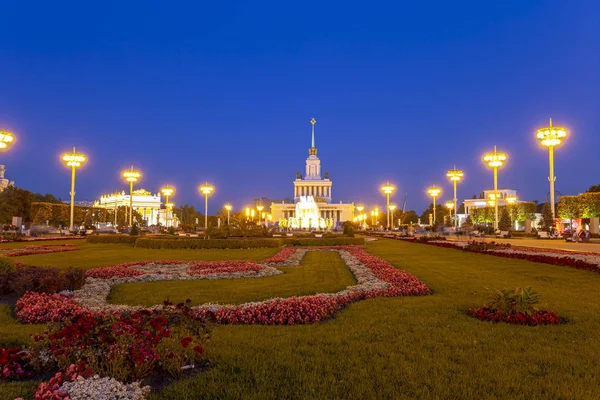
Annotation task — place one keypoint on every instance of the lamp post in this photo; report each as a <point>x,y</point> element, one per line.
<point>388,189</point>
<point>167,191</point>
<point>550,137</point>
<point>260,207</point>
<point>360,209</point>
<point>131,176</point>
<point>206,189</point>
<point>391,209</point>
<point>455,175</point>
<point>6,140</point>
<point>434,192</point>
<point>73,160</point>
<point>450,206</point>
<point>495,160</point>
<point>228,208</point>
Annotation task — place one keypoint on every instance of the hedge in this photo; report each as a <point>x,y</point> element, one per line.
<point>342,241</point>
<point>149,243</point>
<point>113,239</point>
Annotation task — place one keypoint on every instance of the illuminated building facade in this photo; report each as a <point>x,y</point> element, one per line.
<point>145,203</point>
<point>312,206</point>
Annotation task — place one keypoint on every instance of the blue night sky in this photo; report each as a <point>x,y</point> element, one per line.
<point>224,92</point>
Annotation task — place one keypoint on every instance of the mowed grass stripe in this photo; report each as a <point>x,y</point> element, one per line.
<point>319,272</point>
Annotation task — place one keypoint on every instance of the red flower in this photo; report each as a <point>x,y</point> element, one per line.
<point>185,342</point>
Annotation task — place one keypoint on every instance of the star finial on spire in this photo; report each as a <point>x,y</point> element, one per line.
<point>313,122</point>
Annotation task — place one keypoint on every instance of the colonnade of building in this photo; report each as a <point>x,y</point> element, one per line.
<point>315,191</point>
<point>335,214</point>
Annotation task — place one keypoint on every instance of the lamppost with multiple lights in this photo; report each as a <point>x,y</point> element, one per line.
<point>167,191</point>
<point>550,137</point>
<point>260,207</point>
<point>6,140</point>
<point>495,160</point>
<point>375,216</point>
<point>450,206</point>
<point>206,189</point>
<point>455,175</point>
<point>360,210</point>
<point>434,192</point>
<point>391,209</point>
<point>388,189</point>
<point>131,176</point>
<point>73,160</point>
<point>228,208</point>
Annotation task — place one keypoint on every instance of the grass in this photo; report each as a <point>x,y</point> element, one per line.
<point>416,347</point>
<point>100,255</point>
<point>320,272</point>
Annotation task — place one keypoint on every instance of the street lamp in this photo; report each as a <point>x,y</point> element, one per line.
<point>260,207</point>
<point>455,175</point>
<point>206,189</point>
<point>228,208</point>
<point>167,191</point>
<point>360,209</point>
<point>434,192</point>
<point>550,137</point>
<point>495,160</point>
<point>391,209</point>
<point>73,160</point>
<point>450,205</point>
<point>6,140</point>
<point>388,189</point>
<point>131,176</point>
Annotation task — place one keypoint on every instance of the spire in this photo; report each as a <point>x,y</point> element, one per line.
<point>313,149</point>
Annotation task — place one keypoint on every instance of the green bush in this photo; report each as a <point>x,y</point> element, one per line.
<point>134,230</point>
<point>111,239</point>
<point>195,243</point>
<point>7,265</point>
<point>512,301</point>
<point>341,241</point>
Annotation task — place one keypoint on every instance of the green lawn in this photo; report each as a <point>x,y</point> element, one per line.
<point>320,272</point>
<point>416,347</point>
<point>100,255</point>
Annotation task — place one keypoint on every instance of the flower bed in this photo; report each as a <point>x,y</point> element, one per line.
<point>40,249</point>
<point>40,308</point>
<point>541,317</point>
<point>14,364</point>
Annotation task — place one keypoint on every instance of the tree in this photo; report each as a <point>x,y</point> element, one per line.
<point>409,217</point>
<point>547,220</point>
<point>468,222</point>
<point>504,224</point>
<point>15,202</point>
<point>187,214</point>
<point>46,198</point>
<point>441,213</point>
<point>590,204</point>
<point>568,208</point>
<point>594,189</point>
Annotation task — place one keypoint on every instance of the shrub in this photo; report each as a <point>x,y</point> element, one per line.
<point>7,265</point>
<point>206,244</point>
<point>74,278</point>
<point>340,241</point>
<point>111,239</point>
<point>135,231</point>
<point>512,301</point>
<point>44,280</point>
<point>4,283</point>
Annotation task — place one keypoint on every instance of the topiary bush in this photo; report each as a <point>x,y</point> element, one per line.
<point>135,231</point>
<point>42,280</point>
<point>7,265</point>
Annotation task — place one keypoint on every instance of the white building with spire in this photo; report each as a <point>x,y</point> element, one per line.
<point>312,187</point>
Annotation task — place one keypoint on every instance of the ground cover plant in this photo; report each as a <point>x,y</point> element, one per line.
<point>409,347</point>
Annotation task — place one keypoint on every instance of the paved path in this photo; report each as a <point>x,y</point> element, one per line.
<point>545,243</point>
